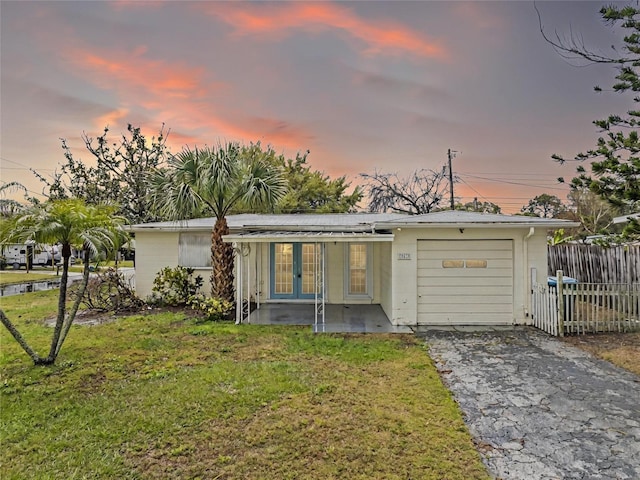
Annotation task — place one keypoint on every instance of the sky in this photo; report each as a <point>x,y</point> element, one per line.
<point>386,86</point>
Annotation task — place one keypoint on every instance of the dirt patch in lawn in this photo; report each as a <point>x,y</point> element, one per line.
<point>622,349</point>
<point>93,317</point>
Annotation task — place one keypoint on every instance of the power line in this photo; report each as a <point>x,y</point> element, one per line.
<point>22,166</point>
<point>514,183</point>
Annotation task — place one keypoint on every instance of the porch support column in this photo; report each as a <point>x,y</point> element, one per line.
<point>238,258</point>
<point>315,284</point>
<point>258,273</point>
<point>319,282</point>
<point>248,308</point>
<point>322,259</point>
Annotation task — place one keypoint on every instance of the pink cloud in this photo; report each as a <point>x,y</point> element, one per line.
<point>111,118</point>
<point>378,36</point>
<point>177,95</point>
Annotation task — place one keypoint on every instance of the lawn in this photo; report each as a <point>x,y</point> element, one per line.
<point>9,278</point>
<point>623,349</point>
<point>162,396</point>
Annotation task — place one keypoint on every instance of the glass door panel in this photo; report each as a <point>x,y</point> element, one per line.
<point>310,265</point>
<point>293,270</point>
<point>283,269</point>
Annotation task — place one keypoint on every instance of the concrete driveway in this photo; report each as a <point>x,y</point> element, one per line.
<point>539,408</point>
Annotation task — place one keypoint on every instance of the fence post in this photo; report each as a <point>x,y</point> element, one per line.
<point>560,303</point>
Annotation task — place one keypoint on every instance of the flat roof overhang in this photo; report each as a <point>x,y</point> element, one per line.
<point>309,237</point>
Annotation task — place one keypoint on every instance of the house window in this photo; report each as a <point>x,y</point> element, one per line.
<point>358,274</point>
<point>194,250</point>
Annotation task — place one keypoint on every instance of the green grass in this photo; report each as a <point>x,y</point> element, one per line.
<point>9,278</point>
<point>162,396</point>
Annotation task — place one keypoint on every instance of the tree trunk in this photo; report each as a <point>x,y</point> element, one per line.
<point>76,304</point>
<point>222,263</point>
<point>62,306</point>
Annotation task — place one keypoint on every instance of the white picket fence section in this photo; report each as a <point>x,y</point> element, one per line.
<point>545,311</point>
<point>586,308</point>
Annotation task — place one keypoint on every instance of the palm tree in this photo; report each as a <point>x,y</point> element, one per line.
<point>73,224</point>
<point>214,181</point>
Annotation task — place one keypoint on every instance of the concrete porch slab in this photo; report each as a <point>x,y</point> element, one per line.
<point>338,318</point>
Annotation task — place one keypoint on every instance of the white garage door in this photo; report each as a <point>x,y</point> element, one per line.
<point>465,282</point>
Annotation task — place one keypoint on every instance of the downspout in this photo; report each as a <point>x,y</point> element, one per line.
<point>527,276</point>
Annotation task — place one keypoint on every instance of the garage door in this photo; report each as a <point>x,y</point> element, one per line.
<point>465,282</point>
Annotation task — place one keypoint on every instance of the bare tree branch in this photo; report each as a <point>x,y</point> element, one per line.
<point>422,192</point>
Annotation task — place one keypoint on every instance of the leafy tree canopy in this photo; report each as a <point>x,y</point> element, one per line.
<point>593,212</point>
<point>482,207</point>
<point>120,175</point>
<point>308,191</point>
<point>545,206</point>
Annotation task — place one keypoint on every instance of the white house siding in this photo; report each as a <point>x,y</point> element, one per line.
<point>527,253</point>
<point>383,280</point>
<point>154,251</point>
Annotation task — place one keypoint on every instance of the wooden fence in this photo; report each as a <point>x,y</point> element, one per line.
<point>586,307</point>
<point>595,264</point>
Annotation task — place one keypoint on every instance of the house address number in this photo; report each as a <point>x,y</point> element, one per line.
<point>404,256</point>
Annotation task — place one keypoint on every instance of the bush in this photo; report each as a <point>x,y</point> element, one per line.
<point>175,286</point>
<point>214,309</point>
<point>3,262</point>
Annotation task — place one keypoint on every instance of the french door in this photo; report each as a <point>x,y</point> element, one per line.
<point>293,270</point>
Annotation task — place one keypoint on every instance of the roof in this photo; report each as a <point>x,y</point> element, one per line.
<point>353,222</point>
<point>459,218</point>
<point>626,218</point>
<point>336,222</point>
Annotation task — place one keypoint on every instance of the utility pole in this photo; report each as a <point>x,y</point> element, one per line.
<point>450,155</point>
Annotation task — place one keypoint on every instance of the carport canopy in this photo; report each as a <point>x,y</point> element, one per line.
<point>315,236</point>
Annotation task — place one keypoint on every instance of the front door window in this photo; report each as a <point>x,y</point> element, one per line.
<point>294,268</point>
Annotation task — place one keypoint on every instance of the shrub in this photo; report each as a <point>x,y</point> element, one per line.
<point>215,309</point>
<point>175,286</point>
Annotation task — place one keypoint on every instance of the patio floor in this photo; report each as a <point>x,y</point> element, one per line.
<point>338,318</point>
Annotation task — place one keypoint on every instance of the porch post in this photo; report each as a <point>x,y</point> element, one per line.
<point>319,282</point>
<point>238,257</point>
<point>322,285</point>
<point>248,281</point>
<point>315,284</point>
<point>258,273</point>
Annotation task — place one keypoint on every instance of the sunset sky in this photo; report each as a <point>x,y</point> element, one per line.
<point>386,86</point>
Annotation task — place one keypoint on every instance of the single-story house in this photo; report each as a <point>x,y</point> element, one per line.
<point>443,268</point>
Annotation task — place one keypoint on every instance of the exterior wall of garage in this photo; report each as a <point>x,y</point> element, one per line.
<point>529,251</point>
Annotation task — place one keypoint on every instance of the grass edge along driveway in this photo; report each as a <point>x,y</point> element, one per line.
<point>159,396</point>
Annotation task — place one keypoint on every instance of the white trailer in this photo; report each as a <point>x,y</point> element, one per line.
<point>16,254</point>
